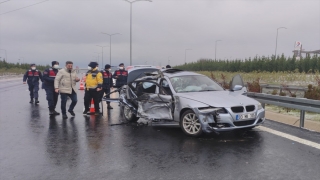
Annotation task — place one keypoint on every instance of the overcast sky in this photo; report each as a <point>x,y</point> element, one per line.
<point>162,29</point>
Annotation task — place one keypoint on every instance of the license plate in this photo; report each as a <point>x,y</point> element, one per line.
<point>245,116</point>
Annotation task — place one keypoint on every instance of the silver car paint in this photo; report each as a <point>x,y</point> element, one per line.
<point>196,100</point>
<point>225,99</point>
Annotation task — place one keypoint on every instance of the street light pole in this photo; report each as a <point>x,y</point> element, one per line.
<point>22,59</point>
<point>6,54</point>
<point>131,2</point>
<point>185,56</point>
<point>102,52</point>
<point>215,51</point>
<point>110,35</point>
<point>275,52</point>
<point>169,60</point>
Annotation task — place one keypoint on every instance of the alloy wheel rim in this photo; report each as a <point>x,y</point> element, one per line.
<point>127,112</point>
<point>191,123</point>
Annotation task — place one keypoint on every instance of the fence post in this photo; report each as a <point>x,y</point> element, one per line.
<point>302,113</point>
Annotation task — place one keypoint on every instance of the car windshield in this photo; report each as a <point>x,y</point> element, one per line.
<point>194,83</point>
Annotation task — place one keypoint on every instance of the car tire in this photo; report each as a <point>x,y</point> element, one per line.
<point>128,114</point>
<point>190,124</point>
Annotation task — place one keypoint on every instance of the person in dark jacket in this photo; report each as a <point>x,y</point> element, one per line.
<point>107,83</point>
<point>48,85</point>
<point>32,77</point>
<point>121,76</point>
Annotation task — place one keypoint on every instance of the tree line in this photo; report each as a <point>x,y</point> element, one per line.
<point>8,66</point>
<point>307,64</point>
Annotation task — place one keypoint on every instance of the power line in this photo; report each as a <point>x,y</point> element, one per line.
<point>24,7</point>
<point>4,1</point>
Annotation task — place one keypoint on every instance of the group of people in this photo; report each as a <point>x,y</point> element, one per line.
<point>63,82</point>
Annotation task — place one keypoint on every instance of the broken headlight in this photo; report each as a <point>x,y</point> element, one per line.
<point>212,109</point>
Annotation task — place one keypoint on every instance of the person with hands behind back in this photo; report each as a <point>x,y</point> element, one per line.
<point>121,76</point>
<point>65,83</point>
<point>107,83</point>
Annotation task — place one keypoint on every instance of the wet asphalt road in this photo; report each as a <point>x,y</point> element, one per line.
<point>34,146</point>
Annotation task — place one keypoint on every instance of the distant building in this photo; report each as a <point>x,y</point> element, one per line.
<point>298,50</point>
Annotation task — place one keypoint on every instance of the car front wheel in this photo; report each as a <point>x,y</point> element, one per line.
<point>190,124</point>
<point>128,114</point>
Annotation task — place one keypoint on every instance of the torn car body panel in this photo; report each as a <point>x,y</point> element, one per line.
<point>155,106</point>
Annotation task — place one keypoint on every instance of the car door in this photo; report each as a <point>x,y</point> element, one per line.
<point>153,101</point>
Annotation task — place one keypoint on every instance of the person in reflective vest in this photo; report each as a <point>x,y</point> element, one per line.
<point>107,83</point>
<point>49,76</point>
<point>32,77</point>
<point>94,82</point>
<point>121,76</point>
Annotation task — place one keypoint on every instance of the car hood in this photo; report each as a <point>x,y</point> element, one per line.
<point>219,98</point>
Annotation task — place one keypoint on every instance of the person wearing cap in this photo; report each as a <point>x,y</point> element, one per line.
<point>107,83</point>
<point>49,76</point>
<point>93,87</point>
<point>65,83</point>
<point>32,77</point>
<point>121,76</point>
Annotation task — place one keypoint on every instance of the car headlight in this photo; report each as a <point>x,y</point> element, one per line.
<point>260,106</point>
<point>210,109</point>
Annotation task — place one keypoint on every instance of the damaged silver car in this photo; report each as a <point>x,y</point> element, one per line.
<point>192,101</point>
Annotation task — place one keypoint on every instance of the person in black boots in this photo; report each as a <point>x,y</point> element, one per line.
<point>107,83</point>
<point>48,85</point>
<point>65,83</point>
<point>93,87</point>
<point>32,76</point>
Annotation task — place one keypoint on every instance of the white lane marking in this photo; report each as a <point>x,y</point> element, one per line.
<point>288,136</point>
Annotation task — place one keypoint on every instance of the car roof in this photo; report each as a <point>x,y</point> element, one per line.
<point>178,72</point>
<point>139,72</point>
<point>147,73</point>
<point>134,67</point>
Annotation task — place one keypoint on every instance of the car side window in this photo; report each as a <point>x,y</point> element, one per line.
<point>145,87</point>
<point>149,87</point>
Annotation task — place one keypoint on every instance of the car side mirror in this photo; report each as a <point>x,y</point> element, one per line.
<point>236,80</point>
<point>237,88</point>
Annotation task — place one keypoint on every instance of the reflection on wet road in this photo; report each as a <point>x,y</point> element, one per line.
<point>35,146</point>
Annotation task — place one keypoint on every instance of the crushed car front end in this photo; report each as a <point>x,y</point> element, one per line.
<point>230,118</point>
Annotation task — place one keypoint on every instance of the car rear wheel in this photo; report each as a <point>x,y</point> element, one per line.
<point>128,114</point>
<point>190,124</point>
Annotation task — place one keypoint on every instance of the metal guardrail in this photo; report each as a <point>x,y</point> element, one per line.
<point>302,104</point>
<point>282,87</point>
